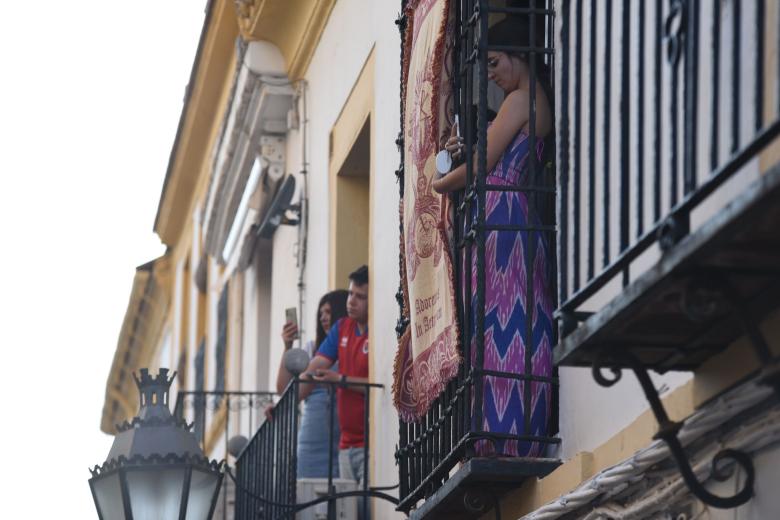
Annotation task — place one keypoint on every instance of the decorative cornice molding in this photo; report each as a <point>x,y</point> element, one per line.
<point>244,10</point>
<point>295,26</point>
<point>311,36</point>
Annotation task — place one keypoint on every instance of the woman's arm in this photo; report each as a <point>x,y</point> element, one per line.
<point>316,365</point>
<point>511,117</point>
<point>283,376</point>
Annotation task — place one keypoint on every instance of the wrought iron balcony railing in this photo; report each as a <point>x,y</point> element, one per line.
<point>195,406</point>
<point>669,191</point>
<point>266,470</point>
<point>204,411</point>
<point>453,431</point>
<point>649,136</point>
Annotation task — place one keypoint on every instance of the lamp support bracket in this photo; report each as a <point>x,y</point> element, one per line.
<point>295,219</point>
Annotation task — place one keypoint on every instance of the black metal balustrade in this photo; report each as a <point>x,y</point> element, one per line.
<point>662,264</point>
<point>266,470</point>
<point>430,448</point>
<point>196,405</point>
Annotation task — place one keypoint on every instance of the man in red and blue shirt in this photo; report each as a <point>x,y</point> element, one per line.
<point>347,344</point>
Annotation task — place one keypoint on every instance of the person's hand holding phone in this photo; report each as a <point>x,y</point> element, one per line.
<point>289,334</point>
<point>454,144</point>
<point>290,330</point>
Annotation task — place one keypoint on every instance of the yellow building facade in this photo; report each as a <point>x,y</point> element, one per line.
<point>303,96</point>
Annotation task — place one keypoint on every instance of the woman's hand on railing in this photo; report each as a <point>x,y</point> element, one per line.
<point>326,375</point>
<point>269,412</point>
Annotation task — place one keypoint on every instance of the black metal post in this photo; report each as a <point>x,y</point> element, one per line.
<point>715,86</point>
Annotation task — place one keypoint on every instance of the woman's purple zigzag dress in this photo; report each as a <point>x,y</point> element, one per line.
<point>506,313</point>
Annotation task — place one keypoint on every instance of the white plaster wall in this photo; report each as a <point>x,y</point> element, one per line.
<point>384,230</point>
<point>369,25</point>
<point>250,333</point>
<point>590,414</point>
<point>284,293</point>
<point>212,303</point>
<point>257,372</point>
<point>326,94</point>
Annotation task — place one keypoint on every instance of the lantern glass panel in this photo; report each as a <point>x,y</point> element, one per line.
<point>203,487</point>
<point>155,493</point>
<point>108,494</point>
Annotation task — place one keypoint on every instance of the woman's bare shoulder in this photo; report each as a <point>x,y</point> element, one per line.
<point>518,105</point>
<point>516,101</point>
<point>513,113</point>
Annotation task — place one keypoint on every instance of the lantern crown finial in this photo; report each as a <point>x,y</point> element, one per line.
<point>154,390</point>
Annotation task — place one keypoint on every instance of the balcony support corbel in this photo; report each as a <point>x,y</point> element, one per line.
<point>708,295</point>
<point>770,367</point>
<point>668,431</point>
<point>479,501</point>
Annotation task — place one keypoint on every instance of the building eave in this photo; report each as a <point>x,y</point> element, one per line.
<point>202,103</point>
<point>146,312</point>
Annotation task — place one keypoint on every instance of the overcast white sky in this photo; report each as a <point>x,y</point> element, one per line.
<point>90,96</point>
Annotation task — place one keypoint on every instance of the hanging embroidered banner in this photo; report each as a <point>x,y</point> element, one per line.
<point>428,354</point>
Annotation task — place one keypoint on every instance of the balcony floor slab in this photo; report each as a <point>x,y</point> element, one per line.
<point>484,479</point>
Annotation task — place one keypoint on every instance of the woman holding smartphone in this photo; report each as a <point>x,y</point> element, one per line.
<point>312,436</point>
<point>518,264</point>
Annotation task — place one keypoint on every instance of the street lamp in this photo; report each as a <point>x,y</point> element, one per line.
<point>155,469</point>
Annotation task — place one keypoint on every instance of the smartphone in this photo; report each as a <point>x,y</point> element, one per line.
<point>291,315</point>
<point>457,126</point>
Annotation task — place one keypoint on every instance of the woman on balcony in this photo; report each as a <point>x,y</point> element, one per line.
<point>516,262</point>
<point>313,433</point>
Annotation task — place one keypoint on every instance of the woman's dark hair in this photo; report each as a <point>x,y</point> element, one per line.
<point>515,31</point>
<point>338,309</point>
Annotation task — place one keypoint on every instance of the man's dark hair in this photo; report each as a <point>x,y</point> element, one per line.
<point>359,275</point>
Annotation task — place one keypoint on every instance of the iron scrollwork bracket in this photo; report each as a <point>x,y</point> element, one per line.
<point>672,230</point>
<point>675,28</point>
<point>668,431</point>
